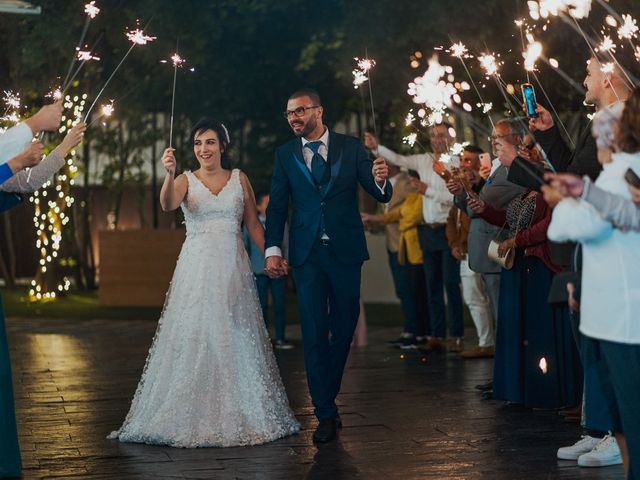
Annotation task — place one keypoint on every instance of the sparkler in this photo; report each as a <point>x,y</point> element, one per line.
<point>364,66</point>
<point>178,62</point>
<point>106,110</point>
<point>92,11</point>
<point>136,37</point>
<point>433,90</point>
<point>459,50</point>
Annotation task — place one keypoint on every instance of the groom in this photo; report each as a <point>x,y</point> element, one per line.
<point>320,171</point>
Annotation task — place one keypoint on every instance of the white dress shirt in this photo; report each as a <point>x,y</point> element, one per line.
<point>610,299</point>
<point>436,201</point>
<point>14,141</point>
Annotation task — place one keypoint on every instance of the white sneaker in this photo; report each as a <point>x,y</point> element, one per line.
<point>606,452</point>
<point>582,446</point>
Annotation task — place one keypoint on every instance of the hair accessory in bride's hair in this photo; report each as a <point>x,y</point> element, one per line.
<point>226,134</point>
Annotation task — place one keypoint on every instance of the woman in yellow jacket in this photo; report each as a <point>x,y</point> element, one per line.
<point>408,215</point>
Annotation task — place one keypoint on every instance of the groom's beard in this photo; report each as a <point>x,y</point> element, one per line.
<point>309,127</point>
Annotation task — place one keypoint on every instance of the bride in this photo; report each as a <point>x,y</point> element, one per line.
<point>211,379</point>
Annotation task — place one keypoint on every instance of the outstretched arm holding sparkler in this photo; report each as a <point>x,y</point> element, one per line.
<point>26,182</point>
<point>173,189</point>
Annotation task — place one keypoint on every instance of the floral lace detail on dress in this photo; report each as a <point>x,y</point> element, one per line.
<point>211,379</point>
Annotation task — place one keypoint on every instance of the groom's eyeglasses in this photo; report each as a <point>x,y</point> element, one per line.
<point>298,112</point>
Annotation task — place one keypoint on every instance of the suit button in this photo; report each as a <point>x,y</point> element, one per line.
<point>322,204</point>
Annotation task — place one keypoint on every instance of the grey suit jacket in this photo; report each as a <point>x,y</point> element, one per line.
<point>497,192</point>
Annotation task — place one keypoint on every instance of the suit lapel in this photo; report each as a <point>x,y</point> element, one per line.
<point>298,159</point>
<point>334,159</point>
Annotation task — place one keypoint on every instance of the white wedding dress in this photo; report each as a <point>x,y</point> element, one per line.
<point>211,379</point>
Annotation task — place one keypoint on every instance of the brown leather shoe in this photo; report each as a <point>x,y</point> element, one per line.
<point>434,344</point>
<point>479,352</point>
<point>456,344</point>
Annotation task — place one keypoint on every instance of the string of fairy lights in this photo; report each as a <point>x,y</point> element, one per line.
<point>50,204</point>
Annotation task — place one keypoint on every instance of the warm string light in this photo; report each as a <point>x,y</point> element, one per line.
<point>50,204</point>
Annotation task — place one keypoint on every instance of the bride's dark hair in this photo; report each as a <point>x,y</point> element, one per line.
<point>205,124</point>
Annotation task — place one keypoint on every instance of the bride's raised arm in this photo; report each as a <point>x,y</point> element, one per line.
<point>173,189</point>
<point>250,217</point>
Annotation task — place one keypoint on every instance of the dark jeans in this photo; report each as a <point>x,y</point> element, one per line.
<point>618,365</point>
<point>595,410</point>
<point>277,286</point>
<point>418,288</point>
<point>403,292</point>
<point>442,272</point>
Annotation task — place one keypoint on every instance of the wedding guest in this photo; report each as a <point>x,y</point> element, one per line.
<point>602,89</point>
<point>407,217</point>
<point>401,187</point>
<point>265,284</point>
<point>441,269</point>
<point>16,153</point>
<point>473,287</point>
<point>533,365</point>
<point>612,347</point>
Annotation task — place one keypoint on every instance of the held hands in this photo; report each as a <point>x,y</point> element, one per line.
<point>380,171</point>
<point>276,267</point>
<point>544,120</point>
<point>169,161</point>
<point>505,246</point>
<point>635,194</point>
<point>370,141</point>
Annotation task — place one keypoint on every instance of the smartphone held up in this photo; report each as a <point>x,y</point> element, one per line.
<point>529,96</point>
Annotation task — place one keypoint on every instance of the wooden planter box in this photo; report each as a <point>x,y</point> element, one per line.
<point>136,266</point>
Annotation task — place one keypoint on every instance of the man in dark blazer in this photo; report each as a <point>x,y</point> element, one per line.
<point>317,173</point>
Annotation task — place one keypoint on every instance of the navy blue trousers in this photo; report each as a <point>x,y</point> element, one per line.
<point>329,304</point>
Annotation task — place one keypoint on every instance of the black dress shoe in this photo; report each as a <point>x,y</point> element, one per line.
<point>326,431</point>
<point>483,387</point>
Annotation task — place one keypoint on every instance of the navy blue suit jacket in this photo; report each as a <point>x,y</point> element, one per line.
<point>349,165</point>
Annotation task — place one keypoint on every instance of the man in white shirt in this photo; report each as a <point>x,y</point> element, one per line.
<point>442,270</point>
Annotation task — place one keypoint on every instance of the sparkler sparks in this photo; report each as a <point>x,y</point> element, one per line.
<point>11,100</point>
<point>107,109</point>
<point>458,50</point>
<point>545,8</point>
<point>85,56</point>
<point>607,45</point>
<point>531,55</point>
<point>489,64</point>
<point>91,10</point>
<point>365,64</point>
<point>410,118</point>
<point>433,90</point>
<point>607,67</point>
<point>137,37</point>
<point>55,94</point>
<point>543,365</point>
<point>629,27</point>
<point>359,77</point>
<point>410,139</point>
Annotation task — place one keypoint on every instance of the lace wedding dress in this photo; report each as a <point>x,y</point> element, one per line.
<point>211,379</point>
